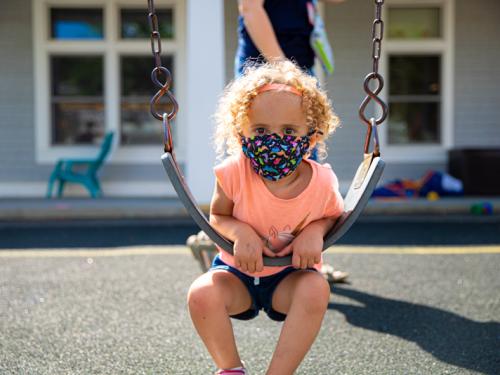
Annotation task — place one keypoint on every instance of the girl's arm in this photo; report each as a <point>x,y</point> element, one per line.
<point>306,248</point>
<point>322,226</point>
<point>260,29</point>
<point>248,246</point>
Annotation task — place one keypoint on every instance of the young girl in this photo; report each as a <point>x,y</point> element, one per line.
<point>270,200</point>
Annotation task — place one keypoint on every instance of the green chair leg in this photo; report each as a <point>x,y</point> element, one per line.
<point>53,177</point>
<point>94,193</point>
<point>60,188</point>
<point>50,186</point>
<point>92,187</point>
<point>97,185</point>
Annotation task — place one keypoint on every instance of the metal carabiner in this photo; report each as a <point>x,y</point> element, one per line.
<point>168,144</point>
<point>372,130</point>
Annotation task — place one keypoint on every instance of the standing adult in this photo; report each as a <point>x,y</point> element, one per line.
<point>276,29</point>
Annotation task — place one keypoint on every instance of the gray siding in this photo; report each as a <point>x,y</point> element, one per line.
<point>349,29</point>
<point>477,72</point>
<point>17,143</point>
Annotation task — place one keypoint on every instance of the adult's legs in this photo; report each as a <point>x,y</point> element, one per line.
<point>303,296</point>
<point>212,298</point>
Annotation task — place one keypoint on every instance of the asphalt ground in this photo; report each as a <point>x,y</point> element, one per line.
<point>408,310</point>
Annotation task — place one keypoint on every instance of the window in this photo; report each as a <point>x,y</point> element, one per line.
<point>76,23</point>
<point>77,99</point>
<point>134,25</point>
<point>138,126</point>
<point>418,67</point>
<point>414,99</point>
<point>93,67</point>
<point>414,23</point>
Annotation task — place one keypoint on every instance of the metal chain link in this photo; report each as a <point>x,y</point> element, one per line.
<point>377,36</point>
<point>162,78</point>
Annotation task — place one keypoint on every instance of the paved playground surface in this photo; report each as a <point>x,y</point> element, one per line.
<point>408,310</point>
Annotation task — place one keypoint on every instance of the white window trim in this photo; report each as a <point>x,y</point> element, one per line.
<point>112,189</point>
<point>111,48</point>
<point>444,46</point>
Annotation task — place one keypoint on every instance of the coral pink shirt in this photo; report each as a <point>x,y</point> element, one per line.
<point>277,220</point>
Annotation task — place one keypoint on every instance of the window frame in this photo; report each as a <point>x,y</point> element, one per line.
<point>443,47</point>
<point>111,48</point>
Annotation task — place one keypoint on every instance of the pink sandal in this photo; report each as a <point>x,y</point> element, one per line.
<point>234,371</point>
<point>238,371</point>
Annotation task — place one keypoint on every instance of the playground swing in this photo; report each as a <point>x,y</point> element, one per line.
<point>366,177</point>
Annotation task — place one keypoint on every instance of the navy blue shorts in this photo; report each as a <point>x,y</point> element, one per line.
<point>261,290</point>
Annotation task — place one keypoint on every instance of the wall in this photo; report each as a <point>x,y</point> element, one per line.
<point>477,79</point>
<point>17,144</point>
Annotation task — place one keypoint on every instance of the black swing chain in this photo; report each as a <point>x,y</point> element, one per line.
<point>377,36</point>
<point>164,87</point>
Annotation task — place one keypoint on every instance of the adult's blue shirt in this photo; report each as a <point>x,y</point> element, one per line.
<point>292,28</point>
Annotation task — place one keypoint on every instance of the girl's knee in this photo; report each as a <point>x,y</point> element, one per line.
<point>202,296</point>
<point>313,291</point>
<point>213,290</point>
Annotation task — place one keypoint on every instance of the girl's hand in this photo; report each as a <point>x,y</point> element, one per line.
<point>306,248</point>
<point>248,249</point>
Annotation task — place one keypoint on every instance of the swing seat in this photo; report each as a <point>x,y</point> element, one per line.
<point>362,186</point>
<point>86,174</point>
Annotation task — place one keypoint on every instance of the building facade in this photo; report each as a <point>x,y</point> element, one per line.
<point>71,70</point>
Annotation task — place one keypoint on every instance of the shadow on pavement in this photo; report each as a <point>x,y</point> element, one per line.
<point>449,337</point>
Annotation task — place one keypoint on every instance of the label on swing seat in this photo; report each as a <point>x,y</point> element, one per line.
<point>362,171</point>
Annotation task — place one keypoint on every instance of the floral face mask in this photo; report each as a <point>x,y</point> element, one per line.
<point>273,156</point>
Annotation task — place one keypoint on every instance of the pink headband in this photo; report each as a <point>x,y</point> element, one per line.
<point>279,87</point>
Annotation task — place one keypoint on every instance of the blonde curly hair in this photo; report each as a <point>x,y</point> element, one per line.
<point>232,110</point>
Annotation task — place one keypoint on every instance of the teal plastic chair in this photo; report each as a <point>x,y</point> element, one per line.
<point>86,173</point>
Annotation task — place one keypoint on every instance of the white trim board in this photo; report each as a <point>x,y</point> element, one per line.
<point>110,189</point>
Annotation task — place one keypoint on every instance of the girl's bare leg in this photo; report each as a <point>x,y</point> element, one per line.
<point>303,296</point>
<point>212,298</point>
